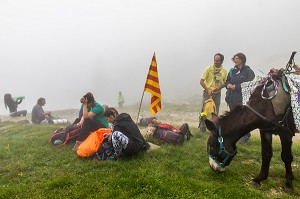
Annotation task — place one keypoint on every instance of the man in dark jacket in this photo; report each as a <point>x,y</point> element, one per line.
<point>126,137</point>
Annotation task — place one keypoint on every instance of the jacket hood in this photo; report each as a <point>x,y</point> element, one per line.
<point>123,117</point>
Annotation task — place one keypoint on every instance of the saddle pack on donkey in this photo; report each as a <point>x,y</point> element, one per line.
<point>166,133</point>
<point>65,135</point>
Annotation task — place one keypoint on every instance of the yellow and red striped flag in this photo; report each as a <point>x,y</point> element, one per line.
<point>152,86</point>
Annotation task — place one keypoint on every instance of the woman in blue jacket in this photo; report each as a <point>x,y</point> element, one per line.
<point>236,76</point>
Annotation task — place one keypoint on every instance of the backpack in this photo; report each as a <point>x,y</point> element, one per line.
<point>91,144</point>
<point>66,135</point>
<point>106,151</point>
<point>166,133</point>
<point>208,108</point>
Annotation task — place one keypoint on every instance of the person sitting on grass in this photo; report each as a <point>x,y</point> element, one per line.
<point>13,105</point>
<point>126,137</point>
<point>38,115</point>
<point>92,118</point>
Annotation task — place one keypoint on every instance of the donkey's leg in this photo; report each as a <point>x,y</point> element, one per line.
<point>267,153</point>
<point>287,157</point>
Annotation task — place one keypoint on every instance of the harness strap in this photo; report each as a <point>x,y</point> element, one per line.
<point>284,84</point>
<point>222,148</point>
<point>265,118</point>
<point>275,84</point>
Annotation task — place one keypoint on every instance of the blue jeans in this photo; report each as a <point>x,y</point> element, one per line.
<point>18,113</point>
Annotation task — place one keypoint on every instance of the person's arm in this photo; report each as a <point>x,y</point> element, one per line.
<point>85,112</point>
<point>19,101</point>
<point>202,83</point>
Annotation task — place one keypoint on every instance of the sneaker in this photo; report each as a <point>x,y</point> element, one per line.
<point>76,145</point>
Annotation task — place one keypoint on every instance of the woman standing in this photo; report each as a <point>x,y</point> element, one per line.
<point>236,76</point>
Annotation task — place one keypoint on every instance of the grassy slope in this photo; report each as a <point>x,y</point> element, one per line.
<point>30,167</point>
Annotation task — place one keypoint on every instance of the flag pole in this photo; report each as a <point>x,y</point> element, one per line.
<point>137,118</point>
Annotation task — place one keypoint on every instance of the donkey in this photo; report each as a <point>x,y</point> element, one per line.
<point>259,113</point>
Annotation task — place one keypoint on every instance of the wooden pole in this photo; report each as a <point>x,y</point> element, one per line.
<point>137,119</point>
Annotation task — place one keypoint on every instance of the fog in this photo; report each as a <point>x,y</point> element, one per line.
<point>61,49</point>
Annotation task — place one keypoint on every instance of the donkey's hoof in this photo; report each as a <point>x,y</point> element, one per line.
<point>254,183</point>
<point>288,187</point>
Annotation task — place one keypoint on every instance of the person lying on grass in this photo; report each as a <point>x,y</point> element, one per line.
<point>126,137</point>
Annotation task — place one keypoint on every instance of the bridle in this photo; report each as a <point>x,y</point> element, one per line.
<point>217,155</point>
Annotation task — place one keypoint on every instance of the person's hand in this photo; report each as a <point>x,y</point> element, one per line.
<point>209,92</point>
<point>83,100</point>
<point>79,124</point>
<point>231,86</point>
<point>106,135</point>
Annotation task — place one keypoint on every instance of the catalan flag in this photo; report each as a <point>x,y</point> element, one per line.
<point>152,86</point>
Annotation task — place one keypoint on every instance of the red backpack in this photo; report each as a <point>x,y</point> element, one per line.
<point>166,133</point>
<point>65,135</point>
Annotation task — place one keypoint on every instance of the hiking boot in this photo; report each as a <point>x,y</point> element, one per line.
<point>76,145</point>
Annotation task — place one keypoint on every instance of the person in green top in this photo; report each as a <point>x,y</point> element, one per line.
<point>121,100</point>
<point>213,80</point>
<point>92,117</point>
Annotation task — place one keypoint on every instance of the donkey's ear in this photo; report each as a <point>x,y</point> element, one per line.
<point>212,124</point>
<point>215,119</point>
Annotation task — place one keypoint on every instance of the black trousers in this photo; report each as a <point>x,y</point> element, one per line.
<point>88,126</point>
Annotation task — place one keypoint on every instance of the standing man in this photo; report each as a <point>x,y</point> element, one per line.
<point>213,80</point>
<point>120,100</point>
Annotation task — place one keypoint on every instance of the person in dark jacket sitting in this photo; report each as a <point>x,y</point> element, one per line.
<point>126,137</point>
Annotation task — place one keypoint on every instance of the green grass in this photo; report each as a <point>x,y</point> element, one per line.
<point>30,167</point>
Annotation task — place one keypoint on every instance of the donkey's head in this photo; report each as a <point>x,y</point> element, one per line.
<point>220,151</point>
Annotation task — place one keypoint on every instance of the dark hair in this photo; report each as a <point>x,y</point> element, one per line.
<point>111,111</point>
<point>40,101</point>
<point>8,100</point>
<point>221,56</point>
<point>241,56</point>
<point>89,97</point>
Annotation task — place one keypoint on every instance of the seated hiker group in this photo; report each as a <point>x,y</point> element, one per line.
<point>100,128</point>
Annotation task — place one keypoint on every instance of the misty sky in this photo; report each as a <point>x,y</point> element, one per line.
<point>61,49</point>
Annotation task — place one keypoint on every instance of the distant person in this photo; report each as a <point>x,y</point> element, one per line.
<point>213,80</point>
<point>121,100</point>
<point>92,118</point>
<point>38,115</point>
<point>12,105</point>
<point>126,137</point>
<point>237,75</point>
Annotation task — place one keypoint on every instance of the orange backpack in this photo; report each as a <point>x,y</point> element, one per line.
<point>92,143</point>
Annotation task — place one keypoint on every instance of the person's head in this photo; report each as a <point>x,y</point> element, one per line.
<point>218,60</point>
<point>7,99</point>
<point>111,114</point>
<point>41,101</point>
<point>239,59</point>
<point>90,99</point>
<point>120,93</point>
